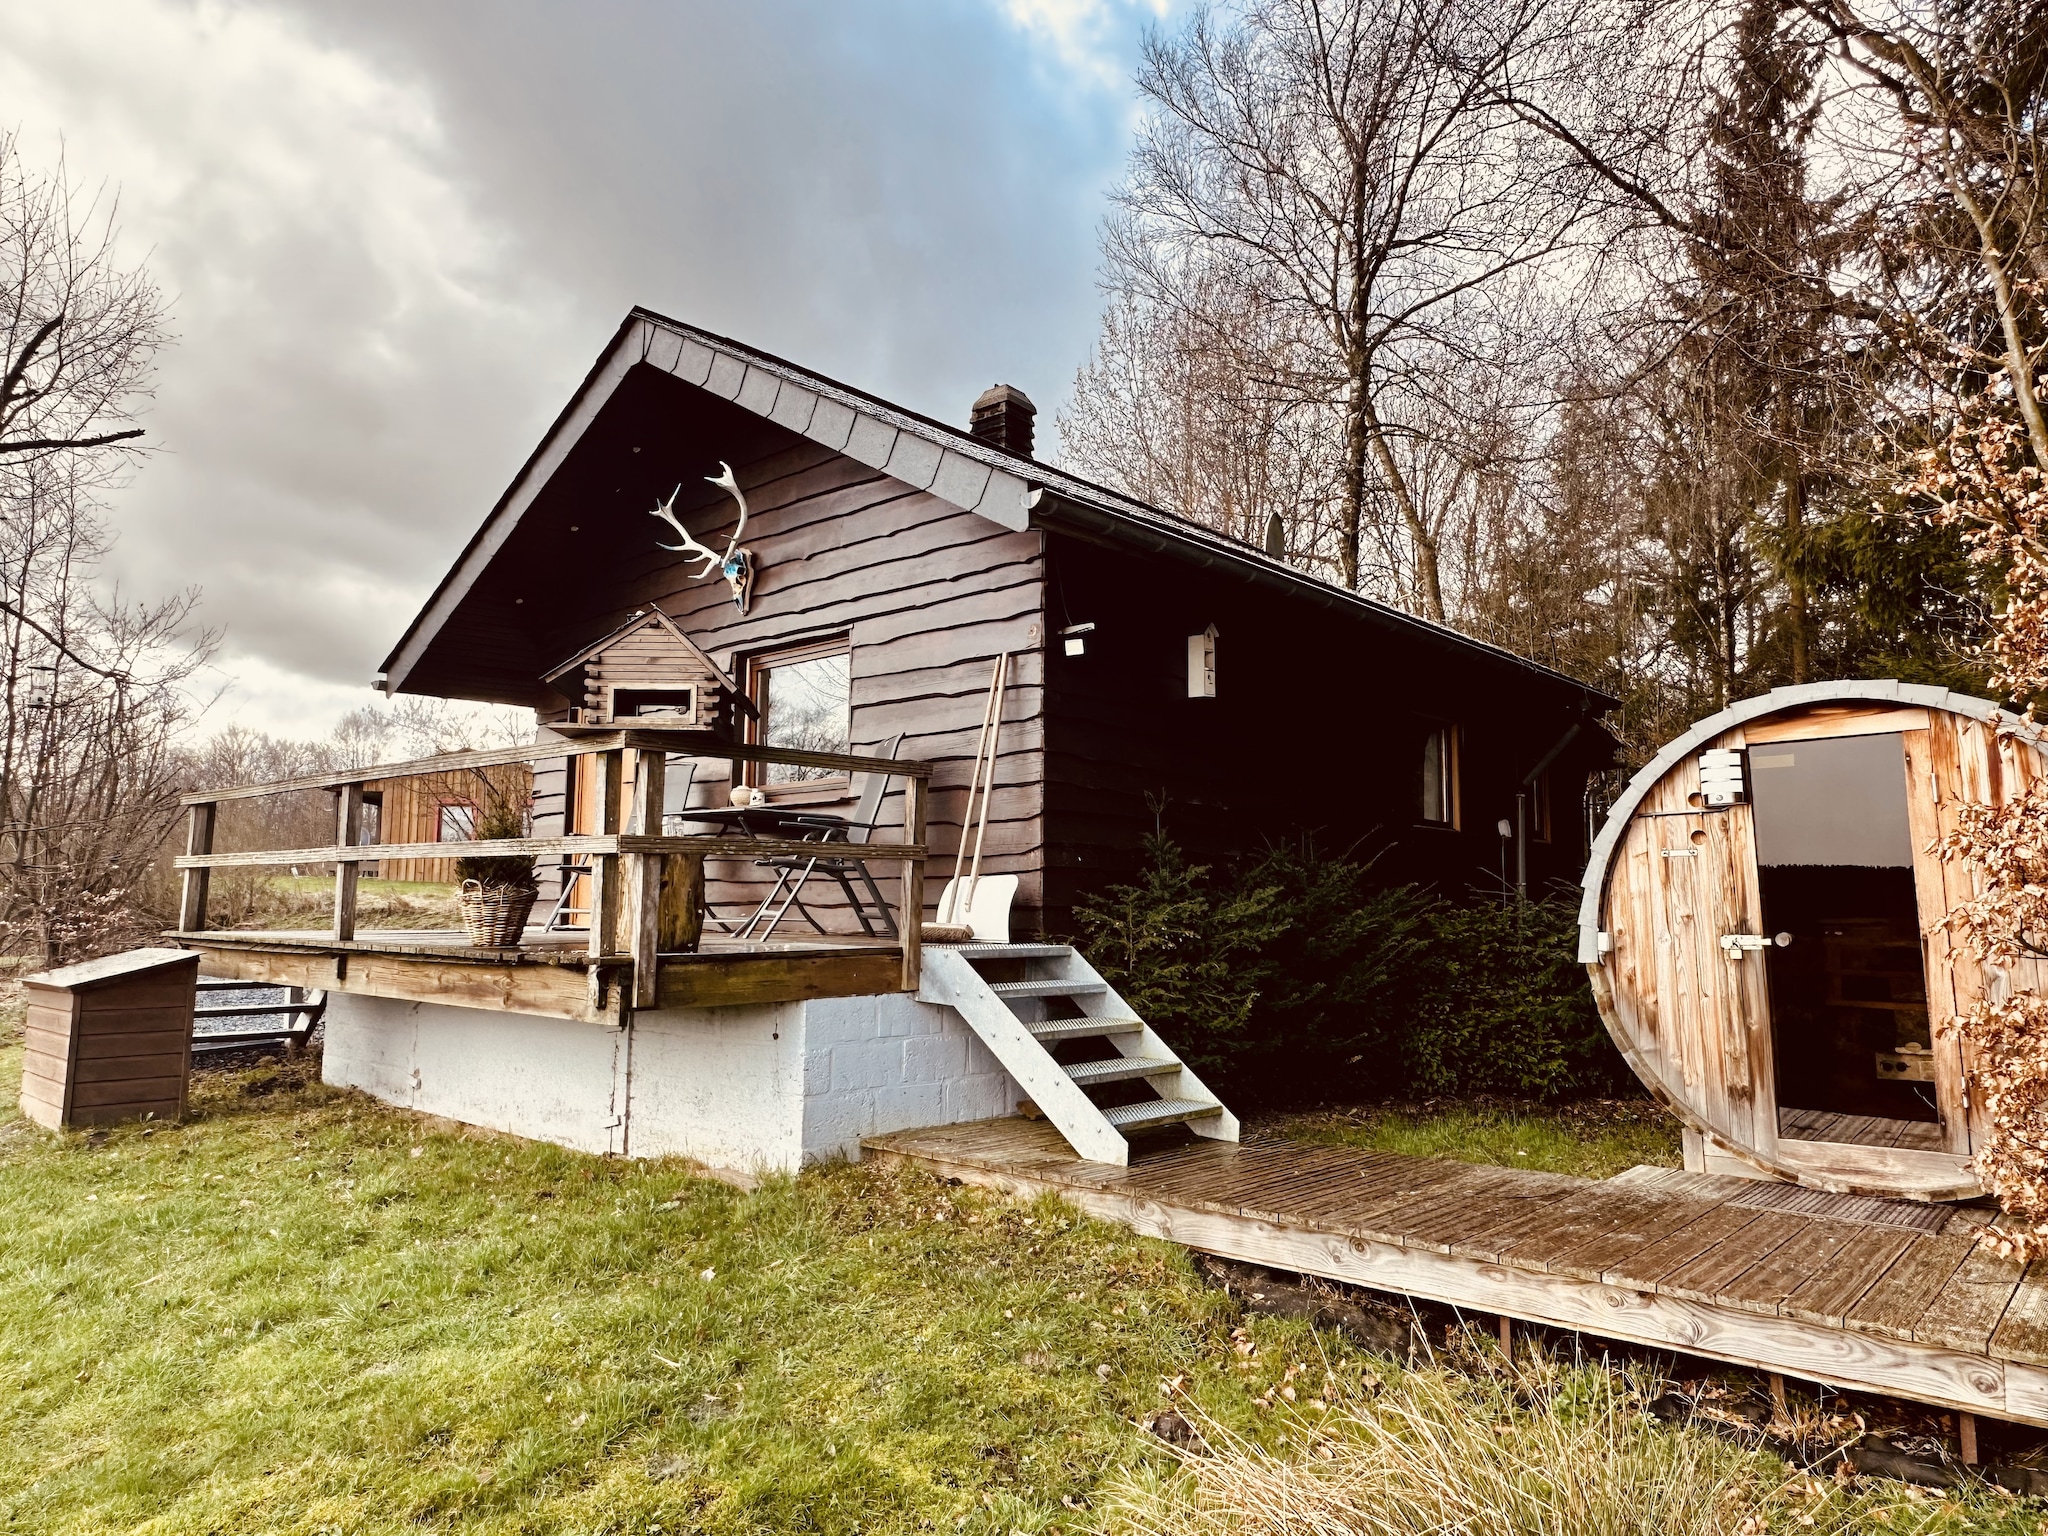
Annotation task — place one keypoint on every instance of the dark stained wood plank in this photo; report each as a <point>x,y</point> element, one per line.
<point>1437,1223</point>
<point>1609,1250</point>
<point>1703,1277</point>
<point>1573,1222</point>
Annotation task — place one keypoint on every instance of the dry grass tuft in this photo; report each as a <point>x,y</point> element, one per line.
<point>1529,1450</point>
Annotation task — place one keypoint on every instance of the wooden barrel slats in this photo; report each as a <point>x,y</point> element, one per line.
<point>1673,934</point>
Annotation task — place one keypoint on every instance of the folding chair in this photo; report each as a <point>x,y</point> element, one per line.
<point>793,872</point>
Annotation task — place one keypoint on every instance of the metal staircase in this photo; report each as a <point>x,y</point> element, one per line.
<point>1033,1004</point>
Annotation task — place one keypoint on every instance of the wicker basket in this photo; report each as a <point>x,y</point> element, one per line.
<point>494,916</point>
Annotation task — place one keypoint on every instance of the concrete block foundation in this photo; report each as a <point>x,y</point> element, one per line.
<point>762,1089</point>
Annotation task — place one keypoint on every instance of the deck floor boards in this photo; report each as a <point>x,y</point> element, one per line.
<point>1879,1295</point>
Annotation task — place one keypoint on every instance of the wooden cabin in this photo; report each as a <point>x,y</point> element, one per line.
<point>440,808</point>
<point>1762,922</point>
<point>777,590</point>
<point>1163,675</point>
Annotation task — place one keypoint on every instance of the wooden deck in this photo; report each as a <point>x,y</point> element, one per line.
<point>550,974</point>
<point>1876,1295</point>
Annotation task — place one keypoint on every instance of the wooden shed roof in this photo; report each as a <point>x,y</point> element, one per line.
<point>950,463</point>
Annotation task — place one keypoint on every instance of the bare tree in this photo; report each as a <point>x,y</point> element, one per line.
<point>77,329</point>
<point>93,695</point>
<point>1340,170</point>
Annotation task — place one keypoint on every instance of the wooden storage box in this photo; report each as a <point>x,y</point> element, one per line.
<point>110,1039</point>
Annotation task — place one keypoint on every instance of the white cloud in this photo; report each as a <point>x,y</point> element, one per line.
<point>1090,37</point>
<point>350,324</point>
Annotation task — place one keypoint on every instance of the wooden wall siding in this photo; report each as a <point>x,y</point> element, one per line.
<point>1316,730</point>
<point>411,813</point>
<point>1683,878</point>
<point>1695,1024</point>
<point>927,595</point>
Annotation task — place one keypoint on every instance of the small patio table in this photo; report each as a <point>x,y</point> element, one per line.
<point>772,822</point>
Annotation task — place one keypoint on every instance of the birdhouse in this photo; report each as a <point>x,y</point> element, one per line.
<point>1764,926</point>
<point>646,672</point>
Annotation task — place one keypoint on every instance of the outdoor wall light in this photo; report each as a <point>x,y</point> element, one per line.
<point>1074,638</point>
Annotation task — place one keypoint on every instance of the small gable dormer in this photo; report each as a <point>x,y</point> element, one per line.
<point>647,672</point>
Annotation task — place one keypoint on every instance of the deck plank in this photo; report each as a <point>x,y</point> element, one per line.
<point>1904,1291</point>
<point>1647,1265</point>
<point>2022,1332</point>
<point>1967,1309</point>
<point>1605,1252</point>
<point>1705,1276</point>
<point>1827,1296</point>
<point>1811,1249</point>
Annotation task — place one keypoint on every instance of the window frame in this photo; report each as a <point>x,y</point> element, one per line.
<point>443,804</point>
<point>756,668</point>
<point>1541,827</point>
<point>1454,810</point>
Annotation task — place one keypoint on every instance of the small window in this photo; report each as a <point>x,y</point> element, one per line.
<point>1539,808</point>
<point>457,823</point>
<point>1439,776</point>
<point>805,701</point>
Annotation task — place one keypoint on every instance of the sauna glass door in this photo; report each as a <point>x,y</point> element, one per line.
<point>1848,995</point>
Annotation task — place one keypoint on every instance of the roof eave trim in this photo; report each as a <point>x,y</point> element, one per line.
<point>892,442</point>
<point>1189,543</point>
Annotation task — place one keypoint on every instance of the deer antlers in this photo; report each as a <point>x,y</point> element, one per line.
<point>736,564</point>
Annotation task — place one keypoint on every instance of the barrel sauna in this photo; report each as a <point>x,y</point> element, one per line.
<point>1762,924</point>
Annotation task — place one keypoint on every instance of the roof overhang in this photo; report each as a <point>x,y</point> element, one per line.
<point>952,465</point>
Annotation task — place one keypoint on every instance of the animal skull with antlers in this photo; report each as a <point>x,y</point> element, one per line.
<point>736,564</point>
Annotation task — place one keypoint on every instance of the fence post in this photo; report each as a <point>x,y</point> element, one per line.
<point>640,876</point>
<point>192,898</point>
<point>348,833</point>
<point>910,922</point>
<point>604,867</point>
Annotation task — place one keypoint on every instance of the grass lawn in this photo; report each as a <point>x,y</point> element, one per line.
<point>1594,1140</point>
<point>266,900</point>
<point>300,1311</point>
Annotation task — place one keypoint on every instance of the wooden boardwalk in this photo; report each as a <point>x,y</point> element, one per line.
<point>1875,1295</point>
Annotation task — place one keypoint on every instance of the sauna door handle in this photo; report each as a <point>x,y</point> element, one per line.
<point>1733,944</point>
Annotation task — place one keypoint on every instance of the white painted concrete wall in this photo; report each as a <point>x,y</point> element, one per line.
<point>757,1089</point>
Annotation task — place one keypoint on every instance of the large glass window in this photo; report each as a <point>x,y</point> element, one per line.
<point>1439,777</point>
<point>805,700</point>
<point>457,823</point>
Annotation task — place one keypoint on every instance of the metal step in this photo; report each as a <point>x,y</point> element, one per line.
<point>1120,1069</point>
<point>1144,1117</point>
<point>1050,1030</point>
<point>1008,951</point>
<point>1054,988</point>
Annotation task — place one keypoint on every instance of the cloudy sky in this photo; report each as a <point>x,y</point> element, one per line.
<point>396,233</point>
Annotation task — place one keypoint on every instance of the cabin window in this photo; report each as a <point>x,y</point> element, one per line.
<point>1539,808</point>
<point>456,823</point>
<point>1439,776</point>
<point>804,697</point>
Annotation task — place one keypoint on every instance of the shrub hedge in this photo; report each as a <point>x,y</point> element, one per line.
<point>1295,976</point>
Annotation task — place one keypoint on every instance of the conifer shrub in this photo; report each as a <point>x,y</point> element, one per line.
<point>1294,975</point>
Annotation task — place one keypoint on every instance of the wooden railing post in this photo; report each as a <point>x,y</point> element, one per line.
<point>640,877</point>
<point>192,898</point>
<point>910,921</point>
<point>348,832</point>
<point>604,867</point>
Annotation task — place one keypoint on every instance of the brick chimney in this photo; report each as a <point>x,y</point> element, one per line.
<point>1002,416</point>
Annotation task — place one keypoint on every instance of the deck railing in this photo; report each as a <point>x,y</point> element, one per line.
<point>646,890</point>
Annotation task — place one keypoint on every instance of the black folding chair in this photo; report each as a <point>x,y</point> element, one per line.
<point>793,872</point>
